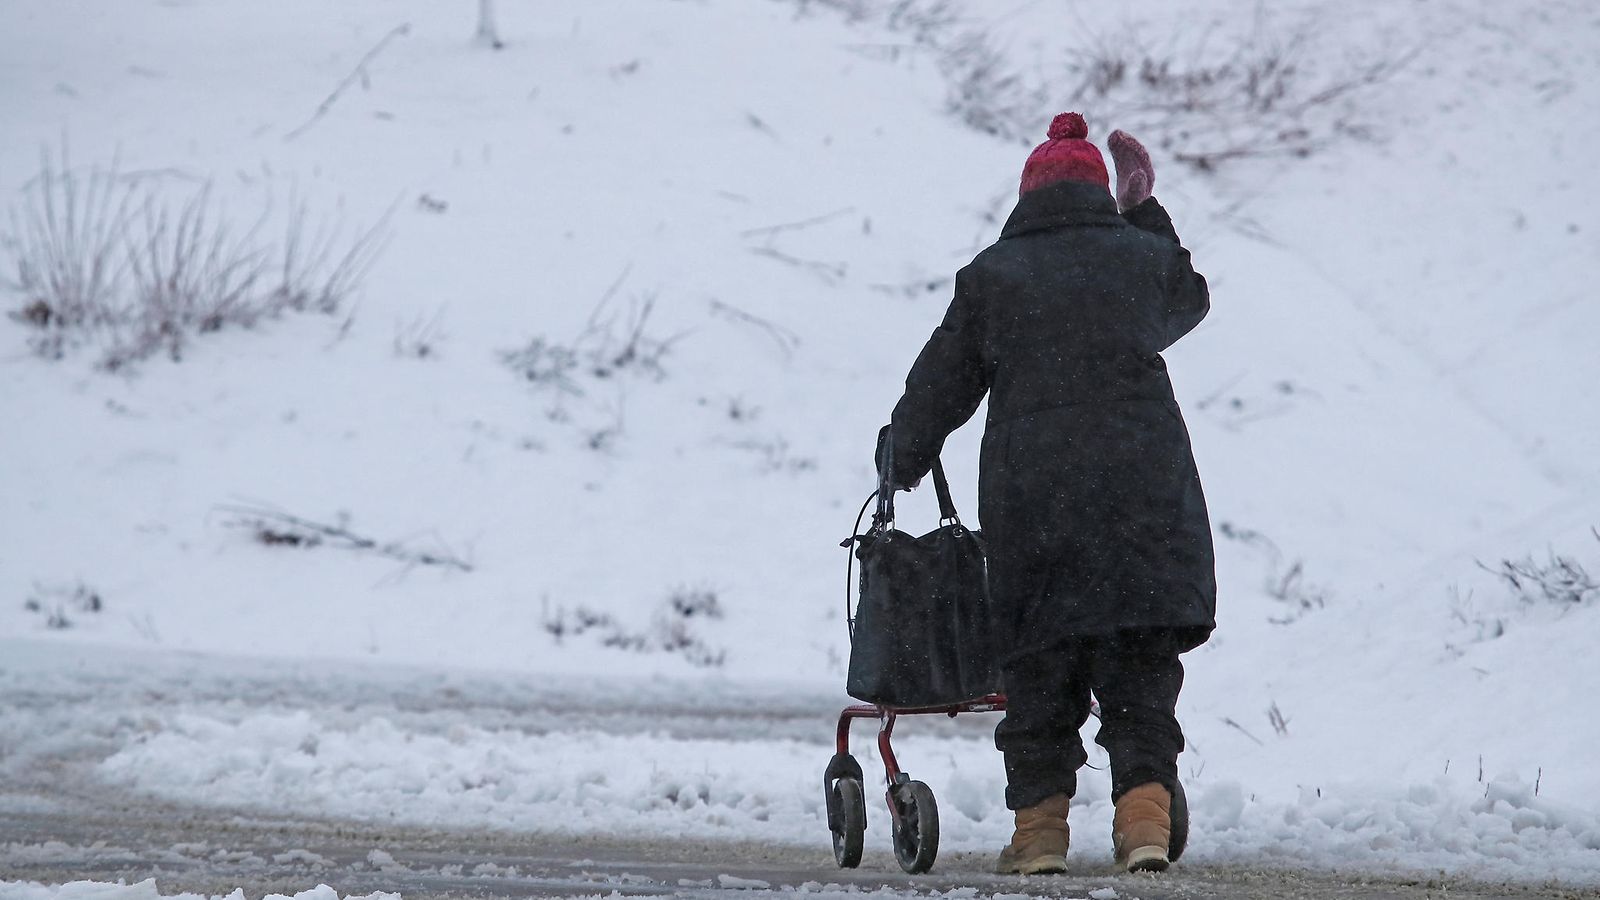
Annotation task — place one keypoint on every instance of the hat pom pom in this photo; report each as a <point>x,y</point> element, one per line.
<point>1068,125</point>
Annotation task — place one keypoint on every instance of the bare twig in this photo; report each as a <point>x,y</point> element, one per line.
<point>774,455</point>
<point>276,528</point>
<point>613,342</point>
<point>359,73</point>
<point>420,337</point>
<point>770,230</point>
<point>830,273</point>
<point>1561,579</point>
<point>759,124</point>
<point>1232,724</point>
<point>786,340</point>
<point>1280,723</point>
<point>488,35</point>
<point>606,298</point>
<point>671,629</point>
<point>914,288</point>
<point>1216,395</point>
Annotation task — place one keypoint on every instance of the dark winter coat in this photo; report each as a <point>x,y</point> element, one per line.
<point>1088,494</point>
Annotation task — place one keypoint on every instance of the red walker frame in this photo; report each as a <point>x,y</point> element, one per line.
<point>913,812</point>
<point>886,716</point>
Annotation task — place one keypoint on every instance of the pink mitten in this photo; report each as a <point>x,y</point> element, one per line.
<point>1136,178</point>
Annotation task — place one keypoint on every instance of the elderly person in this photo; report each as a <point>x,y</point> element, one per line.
<point>1100,556</point>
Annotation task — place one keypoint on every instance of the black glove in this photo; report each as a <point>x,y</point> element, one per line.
<point>880,459</point>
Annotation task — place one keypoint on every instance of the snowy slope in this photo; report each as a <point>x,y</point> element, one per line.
<point>1391,387</point>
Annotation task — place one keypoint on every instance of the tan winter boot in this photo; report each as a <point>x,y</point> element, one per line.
<point>1039,845</point>
<point>1141,830</point>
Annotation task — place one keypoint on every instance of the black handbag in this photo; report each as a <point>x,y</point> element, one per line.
<point>922,632</point>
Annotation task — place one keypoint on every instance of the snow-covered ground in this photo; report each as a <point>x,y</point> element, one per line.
<point>149,890</point>
<point>210,773</point>
<point>1391,390</point>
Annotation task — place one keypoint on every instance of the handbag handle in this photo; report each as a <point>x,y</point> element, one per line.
<point>883,519</point>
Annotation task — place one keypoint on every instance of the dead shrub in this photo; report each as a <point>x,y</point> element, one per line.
<point>138,267</point>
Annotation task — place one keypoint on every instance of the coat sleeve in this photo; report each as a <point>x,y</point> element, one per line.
<point>1188,297</point>
<point>945,386</point>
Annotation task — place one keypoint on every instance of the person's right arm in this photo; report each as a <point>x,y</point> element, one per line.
<point>1188,297</point>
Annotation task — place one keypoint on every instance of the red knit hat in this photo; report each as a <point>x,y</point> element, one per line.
<point>1066,156</point>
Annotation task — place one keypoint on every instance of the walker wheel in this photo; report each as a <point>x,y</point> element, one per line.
<point>916,826</point>
<point>1180,824</point>
<point>850,826</point>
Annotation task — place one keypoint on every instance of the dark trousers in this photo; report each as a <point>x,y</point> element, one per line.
<point>1135,674</point>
